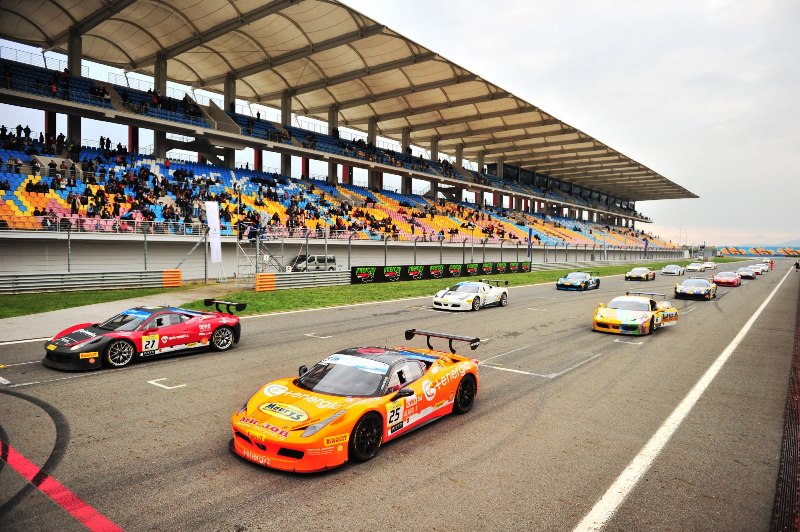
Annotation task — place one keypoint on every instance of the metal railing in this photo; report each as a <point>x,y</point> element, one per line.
<point>57,282</point>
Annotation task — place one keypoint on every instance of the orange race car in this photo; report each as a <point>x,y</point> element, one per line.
<point>348,404</point>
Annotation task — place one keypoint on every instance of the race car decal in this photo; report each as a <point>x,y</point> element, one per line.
<point>284,411</point>
<point>394,413</point>
<point>150,342</point>
<point>333,440</point>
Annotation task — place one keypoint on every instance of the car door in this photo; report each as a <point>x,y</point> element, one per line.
<point>164,333</point>
<point>405,413</point>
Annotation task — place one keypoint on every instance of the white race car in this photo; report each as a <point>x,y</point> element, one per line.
<point>696,267</point>
<point>472,295</point>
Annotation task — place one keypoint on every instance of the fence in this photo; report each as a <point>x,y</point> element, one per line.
<point>267,282</point>
<point>59,282</point>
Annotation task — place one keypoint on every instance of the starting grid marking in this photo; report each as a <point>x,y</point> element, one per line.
<point>486,364</point>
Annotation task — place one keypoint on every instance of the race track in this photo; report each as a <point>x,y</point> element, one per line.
<point>562,411</point>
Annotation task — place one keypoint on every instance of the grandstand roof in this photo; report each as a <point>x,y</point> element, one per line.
<point>326,53</point>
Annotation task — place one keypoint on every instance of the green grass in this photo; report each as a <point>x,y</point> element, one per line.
<point>331,296</point>
<point>283,300</point>
<point>24,304</point>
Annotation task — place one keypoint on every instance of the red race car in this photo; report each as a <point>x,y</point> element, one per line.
<point>143,333</point>
<point>727,279</point>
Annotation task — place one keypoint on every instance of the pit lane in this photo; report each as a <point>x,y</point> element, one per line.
<point>561,412</point>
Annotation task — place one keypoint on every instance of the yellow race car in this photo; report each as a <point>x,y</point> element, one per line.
<point>635,313</point>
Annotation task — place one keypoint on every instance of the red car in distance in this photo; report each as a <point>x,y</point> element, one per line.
<point>727,279</point>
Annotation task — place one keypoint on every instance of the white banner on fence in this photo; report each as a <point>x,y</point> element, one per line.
<point>212,219</point>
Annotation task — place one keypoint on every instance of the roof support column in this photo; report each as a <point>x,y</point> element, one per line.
<point>460,156</point>
<point>229,101</point>
<point>479,198</point>
<point>333,130</point>
<point>406,143</point>
<point>229,94</point>
<point>160,81</point>
<point>405,185</point>
<point>286,120</point>
<point>500,167</point>
<point>481,162</point>
<point>74,56</point>
<point>434,148</point>
<point>133,140</point>
<point>374,177</point>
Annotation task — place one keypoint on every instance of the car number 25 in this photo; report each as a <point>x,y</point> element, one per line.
<point>395,412</point>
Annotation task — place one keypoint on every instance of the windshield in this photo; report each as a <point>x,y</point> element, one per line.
<point>726,274</point>
<point>578,276</point>
<point>671,267</point>
<point>630,304</point>
<point>696,283</point>
<point>345,375</point>
<point>638,271</point>
<point>744,270</point>
<point>465,288</point>
<point>695,265</point>
<point>125,321</point>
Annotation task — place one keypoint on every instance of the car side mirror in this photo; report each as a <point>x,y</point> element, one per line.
<point>402,392</point>
<point>601,305</point>
<point>302,370</point>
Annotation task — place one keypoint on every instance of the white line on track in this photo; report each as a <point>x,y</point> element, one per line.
<point>576,366</point>
<point>605,508</point>
<point>504,354</point>
<point>513,370</point>
<point>312,335</point>
<point>629,343</point>
<point>26,341</point>
<point>4,382</point>
<point>538,309</point>
<point>543,375</point>
<point>21,363</point>
<point>692,309</point>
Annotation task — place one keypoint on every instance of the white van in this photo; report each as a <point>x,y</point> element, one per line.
<point>313,263</point>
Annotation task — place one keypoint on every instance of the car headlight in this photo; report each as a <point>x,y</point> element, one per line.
<point>83,343</point>
<point>319,425</point>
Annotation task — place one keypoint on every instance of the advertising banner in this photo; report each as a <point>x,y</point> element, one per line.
<point>766,251</point>
<point>390,274</point>
<point>212,219</point>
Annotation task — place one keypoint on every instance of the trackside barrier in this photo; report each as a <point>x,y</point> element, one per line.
<point>268,282</point>
<point>172,278</point>
<point>58,282</point>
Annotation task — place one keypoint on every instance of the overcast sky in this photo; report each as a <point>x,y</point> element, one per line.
<point>704,92</point>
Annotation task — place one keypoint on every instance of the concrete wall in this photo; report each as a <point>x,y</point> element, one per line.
<point>56,252</point>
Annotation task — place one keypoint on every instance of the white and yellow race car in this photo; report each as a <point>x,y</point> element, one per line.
<point>635,313</point>
<point>472,295</point>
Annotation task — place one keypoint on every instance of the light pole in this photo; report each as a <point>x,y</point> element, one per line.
<point>472,248</point>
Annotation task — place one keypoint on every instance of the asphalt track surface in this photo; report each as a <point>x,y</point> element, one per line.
<point>561,412</point>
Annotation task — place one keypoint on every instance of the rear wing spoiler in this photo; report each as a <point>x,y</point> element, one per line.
<point>474,342</point>
<point>645,294</point>
<point>495,282</point>
<point>229,305</point>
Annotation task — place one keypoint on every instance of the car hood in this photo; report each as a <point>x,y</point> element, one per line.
<point>455,296</point>
<point>78,333</point>
<point>282,404</point>
<point>626,316</point>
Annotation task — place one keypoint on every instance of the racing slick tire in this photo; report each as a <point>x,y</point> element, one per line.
<point>597,286</point>
<point>476,304</point>
<point>652,328</point>
<point>118,354</point>
<point>221,338</point>
<point>465,395</point>
<point>503,300</point>
<point>366,438</point>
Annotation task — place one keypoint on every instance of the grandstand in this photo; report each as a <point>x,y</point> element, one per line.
<point>545,180</point>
